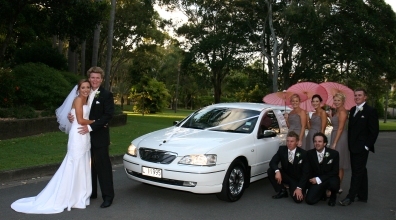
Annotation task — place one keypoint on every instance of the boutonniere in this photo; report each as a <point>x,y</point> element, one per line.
<point>330,161</point>
<point>327,154</point>
<point>361,109</point>
<point>97,94</point>
<point>299,162</point>
<point>297,154</point>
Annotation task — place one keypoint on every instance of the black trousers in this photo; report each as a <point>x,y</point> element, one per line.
<point>359,179</point>
<point>286,179</point>
<point>317,191</point>
<point>101,170</point>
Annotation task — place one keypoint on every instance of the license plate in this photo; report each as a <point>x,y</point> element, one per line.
<point>153,172</point>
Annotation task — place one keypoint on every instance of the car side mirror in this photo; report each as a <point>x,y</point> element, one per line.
<point>267,134</point>
<point>175,122</point>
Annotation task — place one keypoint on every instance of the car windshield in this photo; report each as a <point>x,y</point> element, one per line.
<point>223,119</point>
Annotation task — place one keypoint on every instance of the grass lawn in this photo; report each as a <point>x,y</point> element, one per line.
<point>390,125</point>
<point>51,147</point>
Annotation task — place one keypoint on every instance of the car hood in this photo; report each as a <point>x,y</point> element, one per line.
<point>186,141</point>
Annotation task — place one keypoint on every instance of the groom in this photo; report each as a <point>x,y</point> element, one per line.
<point>363,128</point>
<point>102,109</point>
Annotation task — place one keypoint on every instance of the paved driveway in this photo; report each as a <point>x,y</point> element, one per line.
<point>141,201</point>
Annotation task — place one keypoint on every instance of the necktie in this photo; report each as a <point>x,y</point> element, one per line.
<point>356,111</point>
<point>291,157</point>
<point>320,157</point>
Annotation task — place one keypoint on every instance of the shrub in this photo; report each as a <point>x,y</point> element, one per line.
<point>150,95</point>
<point>22,112</point>
<point>7,88</point>
<point>72,78</point>
<point>117,110</point>
<point>48,112</point>
<point>39,86</point>
<point>5,113</point>
<point>41,52</point>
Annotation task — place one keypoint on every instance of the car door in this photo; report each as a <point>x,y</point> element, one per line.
<point>266,147</point>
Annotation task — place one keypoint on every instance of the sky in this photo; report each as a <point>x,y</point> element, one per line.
<point>392,3</point>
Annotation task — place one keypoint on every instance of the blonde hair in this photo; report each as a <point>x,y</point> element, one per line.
<point>295,96</point>
<point>95,69</point>
<point>340,95</point>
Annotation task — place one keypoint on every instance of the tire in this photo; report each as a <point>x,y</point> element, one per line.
<point>234,182</point>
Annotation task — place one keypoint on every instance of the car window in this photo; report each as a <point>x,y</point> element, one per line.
<point>223,119</point>
<point>274,122</point>
<point>268,122</point>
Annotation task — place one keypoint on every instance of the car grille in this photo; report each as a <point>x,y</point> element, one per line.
<point>156,156</point>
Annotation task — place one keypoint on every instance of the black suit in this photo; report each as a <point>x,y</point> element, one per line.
<point>326,171</point>
<point>102,110</point>
<point>295,175</point>
<point>362,131</point>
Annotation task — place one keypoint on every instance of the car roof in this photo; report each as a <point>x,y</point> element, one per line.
<point>250,105</point>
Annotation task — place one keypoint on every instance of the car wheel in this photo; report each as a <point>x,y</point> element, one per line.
<point>234,182</point>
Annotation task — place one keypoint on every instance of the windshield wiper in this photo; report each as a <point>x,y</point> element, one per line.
<point>230,131</point>
<point>194,127</point>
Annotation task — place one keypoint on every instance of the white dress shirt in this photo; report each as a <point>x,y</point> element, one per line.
<point>358,108</point>
<point>318,181</point>
<point>90,100</point>
<point>288,151</point>
<point>293,153</point>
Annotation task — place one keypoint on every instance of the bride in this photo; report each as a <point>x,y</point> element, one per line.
<point>70,187</point>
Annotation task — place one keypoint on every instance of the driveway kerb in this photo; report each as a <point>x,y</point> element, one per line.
<point>39,171</point>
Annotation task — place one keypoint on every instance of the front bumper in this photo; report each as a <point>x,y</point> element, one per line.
<point>208,179</point>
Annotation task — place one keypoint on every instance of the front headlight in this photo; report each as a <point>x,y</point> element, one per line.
<point>132,150</point>
<point>199,159</point>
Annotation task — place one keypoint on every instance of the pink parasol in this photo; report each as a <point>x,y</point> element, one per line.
<point>309,89</point>
<point>332,88</point>
<point>282,98</point>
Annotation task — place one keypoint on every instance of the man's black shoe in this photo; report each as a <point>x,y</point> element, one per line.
<point>281,194</point>
<point>361,200</point>
<point>345,202</point>
<point>106,204</point>
<point>331,202</point>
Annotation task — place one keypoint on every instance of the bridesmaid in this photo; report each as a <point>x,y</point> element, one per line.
<point>297,119</point>
<point>339,135</point>
<point>317,122</point>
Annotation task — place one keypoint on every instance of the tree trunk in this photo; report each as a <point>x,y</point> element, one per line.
<point>60,47</point>
<point>71,58</point>
<point>109,45</point>
<point>83,48</point>
<point>217,87</point>
<point>95,48</point>
<point>6,41</point>
<point>54,41</point>
<point>268,49</point>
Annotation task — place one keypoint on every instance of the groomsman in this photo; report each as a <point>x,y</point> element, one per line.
<point>323,167</point>
<point>293,170</point>
<point>363,127</point>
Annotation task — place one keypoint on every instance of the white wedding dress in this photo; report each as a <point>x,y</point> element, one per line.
<point>70,187</point>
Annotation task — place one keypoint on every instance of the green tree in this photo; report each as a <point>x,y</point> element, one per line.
<point>215,36</point>
<point>150,96</point>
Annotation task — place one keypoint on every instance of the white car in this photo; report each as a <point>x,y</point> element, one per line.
<point>219,149</point>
